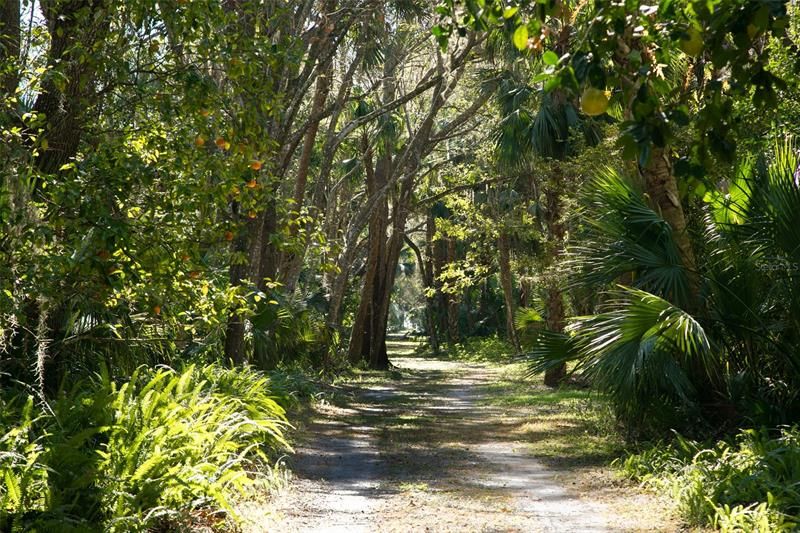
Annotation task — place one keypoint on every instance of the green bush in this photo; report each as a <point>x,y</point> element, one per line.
<point>482,349</point>
<point>749,484</point>
<point>163,449</point>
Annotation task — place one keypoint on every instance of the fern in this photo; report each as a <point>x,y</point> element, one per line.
<point>132,457</point>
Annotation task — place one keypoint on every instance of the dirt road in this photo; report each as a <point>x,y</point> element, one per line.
<point>423,452</point>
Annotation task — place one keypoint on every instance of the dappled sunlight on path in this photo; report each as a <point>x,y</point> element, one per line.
<point>420,450</point>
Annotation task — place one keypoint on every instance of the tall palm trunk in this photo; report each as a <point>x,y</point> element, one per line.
<point>662,187</point>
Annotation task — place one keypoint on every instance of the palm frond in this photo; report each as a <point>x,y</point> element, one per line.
<point>624,235</point>
<point>640,349</point>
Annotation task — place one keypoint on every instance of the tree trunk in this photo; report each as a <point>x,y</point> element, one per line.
<point>9,44</point>
<point>555,322</point>
<point>431,310</point>
<point>507,283</point>
<point>238,275</point>
<point>74,27</point>
<point>554,297</point>
<point>369,330</point>
<point>364,336</point>
<point>439,251</point>
<point>452,300</point>
<point>662,187</point>
<point>426,274</point>
<point>292,263</point>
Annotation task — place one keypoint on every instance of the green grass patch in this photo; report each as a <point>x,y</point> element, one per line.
<point>567,427</point>
<point>525,394</point>
<point>362,377</point>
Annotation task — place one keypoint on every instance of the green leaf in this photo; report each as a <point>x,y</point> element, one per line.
<point>521,38</point>
<point>550,58</point>
<point>12,486</point>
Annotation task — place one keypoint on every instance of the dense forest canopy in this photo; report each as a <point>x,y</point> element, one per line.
<point>195,192</point>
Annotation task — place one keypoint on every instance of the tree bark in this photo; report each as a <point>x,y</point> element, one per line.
<point>365,340</point>
<point>554,298</point>
<point>430,284</point>
<point>507,282</point>
<point>662,187</point>
<point>293,262</point>
<point>74,25</point>
<point>439,260</point>
<point>427,285</point>
<point>9,44</point>
<point>452,301</point>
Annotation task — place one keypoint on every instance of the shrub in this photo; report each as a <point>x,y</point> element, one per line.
<point>491,348</point>
<point>162,449</point>
<point>749,484</point>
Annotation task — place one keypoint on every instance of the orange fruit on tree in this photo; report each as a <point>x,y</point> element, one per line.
<point>229,235</point>
<point>204,112</point>
<point>199,141</point>
<point>252,184</point>
<point>222,144</point>
<point>194,274</point>
<point>156,309</point>
<point>255,165</point>
<point>251,214</point>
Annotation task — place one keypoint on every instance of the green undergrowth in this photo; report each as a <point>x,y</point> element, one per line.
<point>747,483</point>
<point>165,450</point>
<point>482,349</point>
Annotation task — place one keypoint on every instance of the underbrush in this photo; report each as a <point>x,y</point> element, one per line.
<point>166,450</point>
<point>750,483</point>
<point>482,349</point>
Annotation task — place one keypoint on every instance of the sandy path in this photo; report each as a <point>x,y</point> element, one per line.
<point>421,453</point>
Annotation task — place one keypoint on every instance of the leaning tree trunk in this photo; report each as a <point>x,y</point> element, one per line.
<point>292,263</point>
<point>507,282</point>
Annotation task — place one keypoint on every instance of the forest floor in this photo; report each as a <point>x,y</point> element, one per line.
<point>454,446</point>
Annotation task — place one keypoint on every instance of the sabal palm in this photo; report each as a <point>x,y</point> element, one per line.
<point>648,353</point>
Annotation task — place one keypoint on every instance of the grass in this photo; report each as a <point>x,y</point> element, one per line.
<point>566,427</point>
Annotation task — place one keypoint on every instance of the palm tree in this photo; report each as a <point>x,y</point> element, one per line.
<point>546,133</point>
<point>643,348</point>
